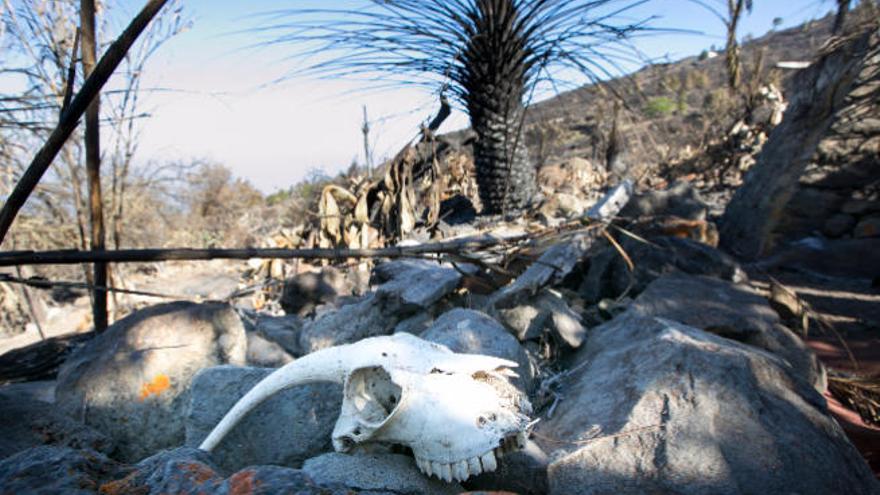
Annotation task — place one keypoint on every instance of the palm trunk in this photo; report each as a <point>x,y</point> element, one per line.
<point>493,77</point>
<point>505,176</point>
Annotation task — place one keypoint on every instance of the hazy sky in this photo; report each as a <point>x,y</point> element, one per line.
<point>224,108</point>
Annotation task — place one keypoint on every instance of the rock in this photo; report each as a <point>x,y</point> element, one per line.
<point>860,206</point>
<point>565,324</point>
<point>286,430</point>
<point>51,470</point>
<point>132,381</point>
<point>680,200</point>
<point>180,471</point>
<point>838,224</point>
<point>416,284</point>
<point>271,480</point>
<point>731,311</point>
<point>523,472</point>
<point>43,391</point>
<point>868,227</point>
<point>282,330</point>
<point>609,277</point>
<point>376,472</point>
<point>660,407</point>
<point>832,257</point>
<point>30,423</point>
<point>473,332</point>
<point>306,291</point>
<point>408,287</point>
<point>415,324</point>
<point>526,321</point>
<point>563,205</point>
<point>369,317</point>
<point>265,353</point>
<point>189,471</point>
<point>548,311</point>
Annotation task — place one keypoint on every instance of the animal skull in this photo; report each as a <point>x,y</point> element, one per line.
<point>457,412</point>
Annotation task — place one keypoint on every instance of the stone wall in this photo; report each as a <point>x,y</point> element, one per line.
<point>839,192</point>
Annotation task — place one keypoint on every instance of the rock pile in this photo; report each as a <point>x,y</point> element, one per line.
<point>687,382</point>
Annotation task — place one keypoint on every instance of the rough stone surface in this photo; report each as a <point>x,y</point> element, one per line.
<point>415,324</point>
<point>609,277</point>
<point>473,332</point>
<point>679,199</point>
<point>830,257</point>
<point>732,311</point>
<point>56,470</point>
<point>564,323</point>
<point>376,472</point>
<point>868,227</point>
<point>265,353</point>
<point>306,291</point>
<point>189,471</point>
<point>417,284</point>
<point>526,321</point>
<point>287,429</point>
<point>282,330</point>
<point>180,471</point>
<point>407,289</point>
<point>546,312</point>
<point>369,317</point>
<point>523,472</point>
<point>660,407</point>
<point>838,224</point>
<point>132,381</point>
<point>26,423</point>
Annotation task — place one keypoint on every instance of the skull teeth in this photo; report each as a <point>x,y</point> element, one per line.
<point>464,469</point>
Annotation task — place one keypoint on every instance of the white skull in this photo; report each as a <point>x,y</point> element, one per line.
<point>457,412</point>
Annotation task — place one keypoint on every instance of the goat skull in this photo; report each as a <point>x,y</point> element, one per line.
<point>457,412</point>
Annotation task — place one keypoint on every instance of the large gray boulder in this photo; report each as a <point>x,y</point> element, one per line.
<point>287,429</point>
<point>55,470</point>
<point>27,423</point>
<point>660,407</point>
<point>387,473</point>
<point>132,381</point>
<point>734,311</point>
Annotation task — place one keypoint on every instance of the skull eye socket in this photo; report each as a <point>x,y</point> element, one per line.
<point>373,393</point>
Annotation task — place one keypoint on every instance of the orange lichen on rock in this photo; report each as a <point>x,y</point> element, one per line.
<point>159,384</point>
<point>124,486</point>
<point>198,472</point>
<point>242,483</point>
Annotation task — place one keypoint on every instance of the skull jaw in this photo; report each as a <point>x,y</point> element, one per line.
<point>457,425</point>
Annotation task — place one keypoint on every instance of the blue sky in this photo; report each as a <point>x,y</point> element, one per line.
<point>224,107</point>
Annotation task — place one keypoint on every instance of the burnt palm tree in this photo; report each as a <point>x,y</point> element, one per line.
<point>490,54</point>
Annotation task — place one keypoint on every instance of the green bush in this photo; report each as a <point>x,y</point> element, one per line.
<point>659,106</point>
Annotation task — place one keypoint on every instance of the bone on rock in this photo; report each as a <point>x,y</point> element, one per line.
<point>457,412</point>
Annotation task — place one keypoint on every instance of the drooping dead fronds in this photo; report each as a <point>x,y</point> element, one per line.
<point>861,393</point>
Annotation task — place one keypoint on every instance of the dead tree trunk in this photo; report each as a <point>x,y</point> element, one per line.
<point>69,120</point>
<point>93,163</point>
<point>820,93</point>
<point>840,18</point>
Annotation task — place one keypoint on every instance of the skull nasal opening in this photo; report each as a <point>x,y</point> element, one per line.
<point>373,393</point>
